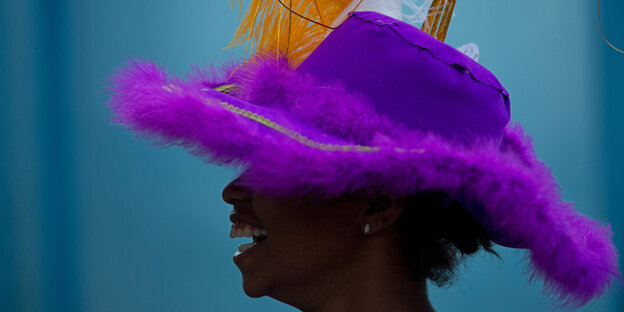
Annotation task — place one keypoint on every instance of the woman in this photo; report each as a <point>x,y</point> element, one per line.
<point>350,253</point>
<point>375,157</point>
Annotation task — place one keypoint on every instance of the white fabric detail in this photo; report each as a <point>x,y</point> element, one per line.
<point>471,49</point>
<point>391,8</point>
<point>418,11</point>
<point>413,12</point>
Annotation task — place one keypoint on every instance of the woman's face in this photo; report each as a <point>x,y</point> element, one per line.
<point>305,241</point>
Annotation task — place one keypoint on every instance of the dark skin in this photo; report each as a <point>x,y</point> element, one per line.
<point>317,258</point>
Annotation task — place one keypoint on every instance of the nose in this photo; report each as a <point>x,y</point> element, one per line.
<point>233,193</point>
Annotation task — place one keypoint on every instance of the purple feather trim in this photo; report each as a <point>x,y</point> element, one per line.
<point>510,191</point>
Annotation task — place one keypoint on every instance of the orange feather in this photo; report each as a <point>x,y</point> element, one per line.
<point>268,25</point>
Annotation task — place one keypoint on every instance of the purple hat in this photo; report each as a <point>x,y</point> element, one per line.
<point>379,106</point>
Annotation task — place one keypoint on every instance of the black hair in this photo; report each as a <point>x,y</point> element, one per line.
<point>437,233</point>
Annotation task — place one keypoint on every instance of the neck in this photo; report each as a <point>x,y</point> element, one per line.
<point>374,278</point>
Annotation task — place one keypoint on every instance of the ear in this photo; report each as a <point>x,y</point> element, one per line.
<point>381,212</point>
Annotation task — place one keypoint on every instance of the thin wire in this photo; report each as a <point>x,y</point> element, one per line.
<point>318,9</point>
<point>602,33</point>
<point>311,20</point>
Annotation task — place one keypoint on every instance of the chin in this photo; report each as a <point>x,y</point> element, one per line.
<point>255,289</point>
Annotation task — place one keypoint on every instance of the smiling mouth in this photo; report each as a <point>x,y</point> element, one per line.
<point>247,230</point>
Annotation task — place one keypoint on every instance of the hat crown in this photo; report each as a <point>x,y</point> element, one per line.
<point>412,78</point>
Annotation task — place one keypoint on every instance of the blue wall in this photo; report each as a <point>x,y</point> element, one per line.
<point>95,220</point>
<point>612,108</point>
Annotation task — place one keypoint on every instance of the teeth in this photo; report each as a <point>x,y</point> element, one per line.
<point>244,247</point>
<point>245,230</point>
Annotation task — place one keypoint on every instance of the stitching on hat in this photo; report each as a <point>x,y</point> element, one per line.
<point>369,20</point>
<point>381,22</point>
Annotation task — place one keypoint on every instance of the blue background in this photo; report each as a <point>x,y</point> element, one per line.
<point>92,219</point>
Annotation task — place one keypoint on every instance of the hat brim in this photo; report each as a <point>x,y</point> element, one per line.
<point>512,194</point>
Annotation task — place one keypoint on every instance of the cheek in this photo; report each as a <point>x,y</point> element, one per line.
<point>308,241</point>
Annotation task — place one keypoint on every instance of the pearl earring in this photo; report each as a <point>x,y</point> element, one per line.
<point>367,229</point>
